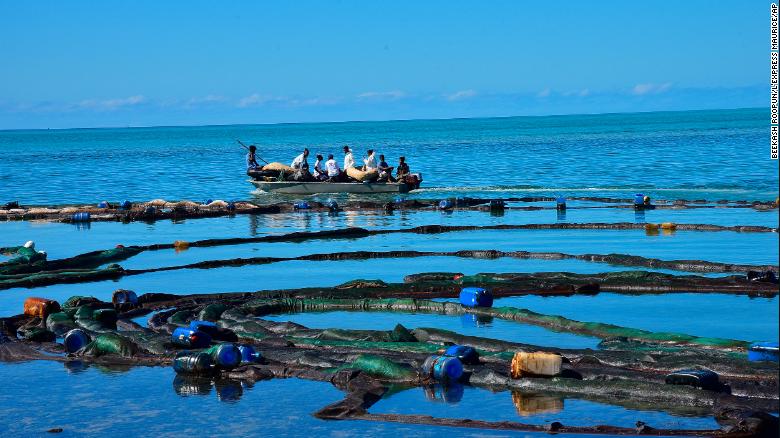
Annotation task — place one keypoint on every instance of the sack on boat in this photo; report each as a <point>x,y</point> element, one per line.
<point>362,176</point>
<point>278,166</point>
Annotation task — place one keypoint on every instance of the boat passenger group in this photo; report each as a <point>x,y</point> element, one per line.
<point>372,170</point>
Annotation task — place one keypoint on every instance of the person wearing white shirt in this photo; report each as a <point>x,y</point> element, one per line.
<point>332,167</point>
<point>319,173</point>
<point>369,163</point>
<point>349,161</point>
<point>299,163</point>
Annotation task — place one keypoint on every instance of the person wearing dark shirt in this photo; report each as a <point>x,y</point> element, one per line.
<point>403,169</point>
<point>385,171</point>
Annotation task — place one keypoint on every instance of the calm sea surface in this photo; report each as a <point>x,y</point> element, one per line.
<point>694,155</point>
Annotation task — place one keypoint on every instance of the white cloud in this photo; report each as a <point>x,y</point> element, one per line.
<point>641,89</point>
<point>381,95</point>
<point>461,95</point>
<point>111,104</point>
<point>258,99</point>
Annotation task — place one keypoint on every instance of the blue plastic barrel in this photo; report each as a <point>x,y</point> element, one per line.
<point>208,201</point>
<point>190,338</point>
<point>763,351</point>
<point>125,205</point>
<point>226,356</point>
<point>446,204</point>
<point>560,203</point>
<point>103,204</point>
<point>75,340</point>
<point>303,205</point>
<point>464,353</point>
<point>443,368</point>
<point>639,199</point>
<point>248,354</point>
<point>497,204</point>
<point>476,297</point>
<point>83,216</point>
<point>231,206</point>
<point>122,296</point>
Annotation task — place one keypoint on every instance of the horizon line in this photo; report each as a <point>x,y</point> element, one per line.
<point>377,121</point>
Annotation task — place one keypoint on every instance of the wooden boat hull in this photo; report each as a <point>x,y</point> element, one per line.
<point>307,188</point>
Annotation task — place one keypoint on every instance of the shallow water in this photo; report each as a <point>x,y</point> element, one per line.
<point>526,407</point>
<point>290,275</point>
<point>466,325</point>
<point>616,154</point>
<point>95,401</point>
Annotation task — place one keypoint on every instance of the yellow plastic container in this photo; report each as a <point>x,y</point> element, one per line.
<point>40,307</point>
<point>668,226</point>
<point>535,364</point>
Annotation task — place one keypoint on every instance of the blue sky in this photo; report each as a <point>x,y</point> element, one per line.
<point>142,63</point>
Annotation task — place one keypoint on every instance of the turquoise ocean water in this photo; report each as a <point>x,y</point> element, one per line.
<point>710,155</point>
<point>693,155</point>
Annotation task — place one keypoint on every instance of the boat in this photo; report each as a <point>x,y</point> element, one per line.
<point>307,188</point>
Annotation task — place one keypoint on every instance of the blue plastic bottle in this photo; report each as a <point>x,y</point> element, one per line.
<point>302,205</point>
<point>126,205</point>
<point>443,368</point>
<point>248,354</point>
<point>103,204</point>
<point>639,199</point>
<point>190,338</point>
<point>332,205</point>
<point>231,206</point>
<point>198,324</point>
<point>476,297</point>
<point>75,340</point>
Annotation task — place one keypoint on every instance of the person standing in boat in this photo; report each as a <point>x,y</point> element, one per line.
<point>332,168</point>
<point>385,171</point>
<point>369,163</point>
<point>349,160</point>
<point>251,160</point>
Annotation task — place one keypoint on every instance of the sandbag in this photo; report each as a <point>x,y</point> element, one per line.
<point>362,176</point>
<point>278,166</point>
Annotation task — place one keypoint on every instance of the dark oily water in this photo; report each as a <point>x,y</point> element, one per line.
<point>531,408</point>
<point>469,325</point>
<point>723,154</point>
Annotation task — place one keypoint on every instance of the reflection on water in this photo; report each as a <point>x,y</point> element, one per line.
<point>464,401</point>
<point>228,390</point>
<point>472,320</point>
<point>528,404</point>
<point>449,393</point>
